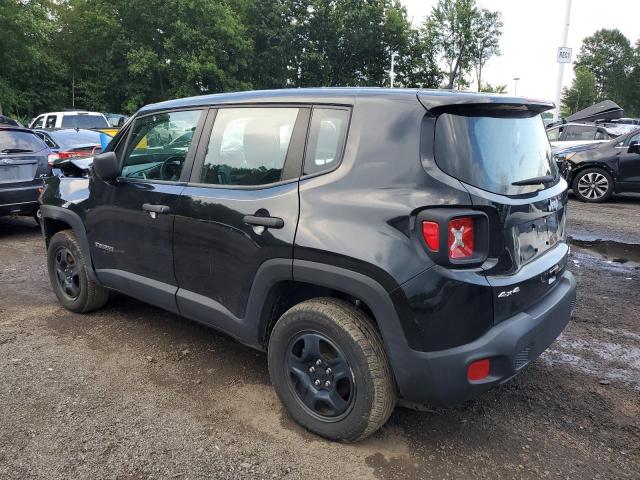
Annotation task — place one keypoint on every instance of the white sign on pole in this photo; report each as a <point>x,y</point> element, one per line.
<point>564,55</point>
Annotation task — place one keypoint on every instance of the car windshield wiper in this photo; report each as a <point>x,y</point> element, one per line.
<point>544,179</point>
<point>15,150</point>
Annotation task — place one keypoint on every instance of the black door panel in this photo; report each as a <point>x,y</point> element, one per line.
<point>217,253</point>
<point>124,236</point>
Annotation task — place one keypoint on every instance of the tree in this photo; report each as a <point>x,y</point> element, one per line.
<point>608,55</point>
<point>486,32</point>
<point>30,75</point>
<point>581,94</point>
<point>488,88</point>
<point>449,30</point>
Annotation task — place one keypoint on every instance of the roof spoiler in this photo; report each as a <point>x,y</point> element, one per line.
<point>439,101</point>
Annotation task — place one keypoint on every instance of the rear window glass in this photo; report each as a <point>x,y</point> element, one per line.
<point>73,139</point>
<point>493,152</point>
<point>84,121</point>
<point>326,139</point>
<point>17,142</point>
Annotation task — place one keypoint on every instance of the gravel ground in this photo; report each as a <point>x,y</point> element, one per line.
<point>135,392</point>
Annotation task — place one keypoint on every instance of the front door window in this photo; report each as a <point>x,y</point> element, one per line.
<point>159,144</point>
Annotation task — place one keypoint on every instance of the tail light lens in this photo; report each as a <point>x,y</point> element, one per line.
<point>461,238</point>
<point>52,158</point>
<point>431,234</point>
<point>454,237</point>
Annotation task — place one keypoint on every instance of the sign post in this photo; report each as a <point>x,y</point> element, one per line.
<point>564,56</point>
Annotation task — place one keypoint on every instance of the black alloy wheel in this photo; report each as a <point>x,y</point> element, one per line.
<point>320,376</point>
<point>67,273</point>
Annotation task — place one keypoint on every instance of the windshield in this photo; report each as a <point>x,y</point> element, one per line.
<point>493,152</point>
<point>84,121</point>
<point>12,141</point>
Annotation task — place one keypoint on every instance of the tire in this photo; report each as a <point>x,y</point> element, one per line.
<point>348,342</point>
<point>593,185</point>
<point>68,275</point>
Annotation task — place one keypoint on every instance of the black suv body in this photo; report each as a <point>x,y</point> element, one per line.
<point>23,166</point>
<point>389,243</point>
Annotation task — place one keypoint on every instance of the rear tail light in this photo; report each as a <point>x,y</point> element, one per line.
<point>455,237</point>
<point>479,370</point>
<point>461,238</point>
<point>431,234</point>
<point>65,155</point>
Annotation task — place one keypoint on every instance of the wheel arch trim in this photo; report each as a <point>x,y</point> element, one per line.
<point>75,222</point>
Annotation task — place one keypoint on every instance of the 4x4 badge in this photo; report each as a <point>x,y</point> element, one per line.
<point>508,293</point>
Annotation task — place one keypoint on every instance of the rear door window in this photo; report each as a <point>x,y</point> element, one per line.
<point>493,152</point>
<point>327,136</point>
<point>578,133</point>
<point>248,146</point>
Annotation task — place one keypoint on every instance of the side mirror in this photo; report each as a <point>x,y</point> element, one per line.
<point>106,166</point>
<point>634,147</point>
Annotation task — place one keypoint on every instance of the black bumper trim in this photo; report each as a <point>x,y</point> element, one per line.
<point>440,377</point>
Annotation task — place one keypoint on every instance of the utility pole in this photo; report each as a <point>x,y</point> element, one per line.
<point>392,73</point>
<point>561,60</point>
<point>515,89</point>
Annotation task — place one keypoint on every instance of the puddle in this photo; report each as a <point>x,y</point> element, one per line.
<point>617,252</point>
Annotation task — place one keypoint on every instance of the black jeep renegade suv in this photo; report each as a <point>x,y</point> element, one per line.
<point>381,245</point>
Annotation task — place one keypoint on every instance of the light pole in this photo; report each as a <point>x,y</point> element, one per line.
<point>392,73</point>
<point>565,36</point>
<point>515,89</point>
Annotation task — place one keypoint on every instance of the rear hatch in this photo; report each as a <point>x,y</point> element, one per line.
<point>23,158</point>
<point>501,155</point>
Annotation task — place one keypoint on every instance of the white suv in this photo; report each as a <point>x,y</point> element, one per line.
<point>70,119</point>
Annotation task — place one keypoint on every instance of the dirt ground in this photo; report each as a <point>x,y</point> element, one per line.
<point>134,392</point>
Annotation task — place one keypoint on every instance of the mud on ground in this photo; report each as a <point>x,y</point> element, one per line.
<point>135,392</point>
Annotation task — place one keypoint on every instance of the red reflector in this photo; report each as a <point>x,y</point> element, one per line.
<point>461,237</point>
<point>479,369</point>
<point>431,233</point>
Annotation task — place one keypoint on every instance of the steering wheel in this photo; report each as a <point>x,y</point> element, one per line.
<point>171,168</point>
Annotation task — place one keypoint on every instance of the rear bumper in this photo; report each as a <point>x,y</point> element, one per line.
<point>21,200</point>
<point>441,377</point>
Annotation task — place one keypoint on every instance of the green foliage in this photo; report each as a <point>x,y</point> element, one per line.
<point>30,76</point>
<point>488,88</point>
<point>117,55</point>
<point>607,54</point>
<point>462,37</point>
<point>615,69</point>
<point>486,29</point>
<point>581,94</point>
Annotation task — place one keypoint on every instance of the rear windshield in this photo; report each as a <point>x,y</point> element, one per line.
<point>73,139</point>
<point>84,121</point>
<point>19,142</point>
<point>493,152</point>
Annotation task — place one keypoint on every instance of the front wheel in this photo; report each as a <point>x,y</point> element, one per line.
<point>593,185</point>
<point>330,370</point>
<point>68,275</point>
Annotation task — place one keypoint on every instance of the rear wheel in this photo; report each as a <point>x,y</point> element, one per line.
<point>593,185</point>
<point>68,275</point>
<point>330,370</point>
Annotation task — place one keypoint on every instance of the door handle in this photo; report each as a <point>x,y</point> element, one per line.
<point>267,222</point>
<point>155,208</point>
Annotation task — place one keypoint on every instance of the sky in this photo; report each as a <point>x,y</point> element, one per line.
<point>532,33</point>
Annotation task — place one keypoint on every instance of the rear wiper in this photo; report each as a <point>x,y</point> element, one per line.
<point>15,150</point>
<point>544,179</point>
